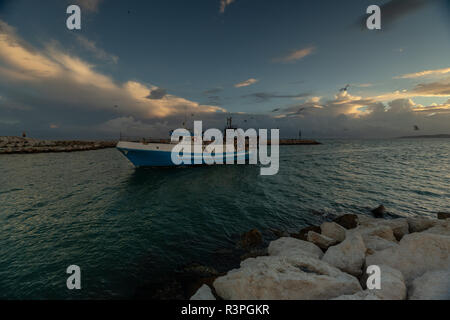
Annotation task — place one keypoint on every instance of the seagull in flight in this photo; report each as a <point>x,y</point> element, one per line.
<point>345,88</point>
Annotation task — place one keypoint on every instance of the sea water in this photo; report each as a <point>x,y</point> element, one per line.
<point>125,226</point>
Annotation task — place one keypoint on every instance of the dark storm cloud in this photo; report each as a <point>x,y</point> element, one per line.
<point>266,96</point>
<point>89,5</point>
<point>157,94</point>
<point>395,9</point>
<point>298,109</point>
<point>212,91</point>
<point>213,100</point>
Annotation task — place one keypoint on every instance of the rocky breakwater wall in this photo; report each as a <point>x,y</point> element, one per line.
<point>17,145</point>
<point>330,262</point>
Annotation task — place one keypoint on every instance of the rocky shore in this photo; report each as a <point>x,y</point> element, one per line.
<point>330,262</point>
<point>17,145</point>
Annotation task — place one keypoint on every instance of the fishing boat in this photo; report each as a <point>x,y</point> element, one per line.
<point>159,154</point>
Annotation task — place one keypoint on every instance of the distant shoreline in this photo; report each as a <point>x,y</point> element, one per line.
<point>434,136</point>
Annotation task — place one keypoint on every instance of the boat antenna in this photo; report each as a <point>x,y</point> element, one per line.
<point>185,118</point>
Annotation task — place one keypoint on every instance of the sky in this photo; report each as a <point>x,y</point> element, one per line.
<point>142,68</point>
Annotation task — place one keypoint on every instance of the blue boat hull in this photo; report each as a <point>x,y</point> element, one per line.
<point>158,158</point>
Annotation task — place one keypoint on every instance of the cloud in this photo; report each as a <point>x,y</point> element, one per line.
<point>246,83</point>
<point>433,89</point>
<point>157,94</point>
<point>213,91</point>
<point>439,88</point>
<point>89,5</point>
<point>394,10</point>
<point>434,109</point>
<point>424,73</point>
<point>131,126</point>
<point>352,116</point>
<point>363,85</point>
<point>356,107</point>
<point>224,4</point>
<point>24,61</point>
<point>265,96</point>
<point>296,55</point>
<point>51,79</point>
<point>99,53</point>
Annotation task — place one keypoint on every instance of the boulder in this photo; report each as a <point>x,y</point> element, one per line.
<point>379,211</point>
<point>443,215</point>
<point>253,253</point>
<point>442,228</point>
<point>375,243</point>
<point>419,224</point>
<point>361,295</point>
<point>392,284</point>
<point>399,227</point>
<point>251,239</point>
<point>382,231</point>
<point>365,220</point>
<point>433,285</point>
<point>303,234</point>
<point>333,230</point>
<point>348,221</point>
<point>320,240</point>
<point>285,278</point>
<point>197,270</point>
<point>348,256</point>
<point>279,233</point>
<point>204,293</point>
<point>416,254</point>
<point>292,247</point>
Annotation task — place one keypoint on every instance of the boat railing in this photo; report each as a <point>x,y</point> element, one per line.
<point>144,139</point>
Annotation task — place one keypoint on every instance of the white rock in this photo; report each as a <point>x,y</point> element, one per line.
<point>419,224</point>
<point>348,256</point>
<point>433,285</point>
<point>392,284</point>
<point>333,230</point>
<point>400,227</point>
<point>442,228</point>
<point>285,278</point>
<point>204,293</point>
<point>292,247</point>
<point>362,295</point>
<point>320,240</point>
<point>365,220</point>
<point>416,254</point>
<point>376,243</point>
<point>392,287</point>
<point>382,231</point>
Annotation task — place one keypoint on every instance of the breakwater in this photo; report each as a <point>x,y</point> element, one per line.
<point>17,145</point>
<point>411,256</point>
